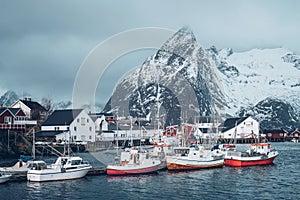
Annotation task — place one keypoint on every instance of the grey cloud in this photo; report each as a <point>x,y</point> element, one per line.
<point>43,43</point>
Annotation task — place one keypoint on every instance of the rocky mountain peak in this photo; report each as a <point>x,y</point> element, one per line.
<point>8,98</point>
<point>177,79</point>
<point>183,43</point>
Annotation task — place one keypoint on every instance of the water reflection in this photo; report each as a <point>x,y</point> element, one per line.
<point>278,181</point>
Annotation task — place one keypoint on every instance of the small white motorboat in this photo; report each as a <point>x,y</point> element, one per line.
<point>4,177</point>
<point>65,168</point>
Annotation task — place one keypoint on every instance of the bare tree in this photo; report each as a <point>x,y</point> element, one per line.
<point>47,102</point>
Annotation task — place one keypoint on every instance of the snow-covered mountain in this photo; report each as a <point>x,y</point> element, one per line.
<point>183,80</point>
<point>261,82</point>
<point>179,80</point>
<point>8,98</point>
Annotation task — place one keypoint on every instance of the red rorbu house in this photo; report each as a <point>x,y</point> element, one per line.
<point>295,136</point>
<point>275,135</point>
<point>12,118</point>
<point>171,130</point>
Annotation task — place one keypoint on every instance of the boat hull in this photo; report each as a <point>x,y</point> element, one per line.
<point>177,164</point>
<point>239,162</point>
<point>121,171</point>
<point>55,175</point>
<point>4,178</point>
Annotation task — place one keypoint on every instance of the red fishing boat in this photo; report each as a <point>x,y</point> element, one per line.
<point>258,154</point>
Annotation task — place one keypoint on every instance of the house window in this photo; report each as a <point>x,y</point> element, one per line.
<point>90,128</point>
<point>270,134</point>
<point>82,121</point>
<point>7,120</point>
<point>74,137</point>
<point>87,120</point>
<point>90,137</point>
<point>78,120</point>
<point>75,128</point>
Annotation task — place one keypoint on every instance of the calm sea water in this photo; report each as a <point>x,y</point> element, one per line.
<point>278,181</point>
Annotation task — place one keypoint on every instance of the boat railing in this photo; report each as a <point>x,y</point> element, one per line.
<point>234,153</point>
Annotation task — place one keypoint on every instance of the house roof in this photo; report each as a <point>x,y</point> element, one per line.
<point>2,110</point>
<point>274,131</point>
<point>13,111</point>
<point>62,117</point>
<point>47,133</point>
<point>33,105</point>
<point>232,122</point>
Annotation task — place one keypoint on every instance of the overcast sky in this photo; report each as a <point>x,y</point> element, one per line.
<point>43,43</point>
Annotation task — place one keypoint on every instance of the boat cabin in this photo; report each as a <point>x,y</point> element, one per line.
<point>37,165</point>
<point>262,148</point>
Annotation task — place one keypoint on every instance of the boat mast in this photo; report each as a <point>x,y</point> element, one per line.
<point>33,143</point>
<point>117,135</point>
<point>131,131</point>
<point>69,148</point>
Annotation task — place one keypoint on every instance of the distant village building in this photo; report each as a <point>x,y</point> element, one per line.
<point>110,128</point>
<point>295,134</point>
<point>275,135</point>
<point>244,127</point>
<point>32,109</point>
<point>73,124</point>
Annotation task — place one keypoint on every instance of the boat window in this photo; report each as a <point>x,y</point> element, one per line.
<point>183,152</point>
<point>75,162</point>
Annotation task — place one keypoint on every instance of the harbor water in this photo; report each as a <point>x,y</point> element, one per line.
<point>277,181</point>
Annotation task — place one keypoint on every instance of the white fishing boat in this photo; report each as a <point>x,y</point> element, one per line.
<point>65,168</point>
<point>4,177</point>
<point>134,162</point>
<point>193,158</point>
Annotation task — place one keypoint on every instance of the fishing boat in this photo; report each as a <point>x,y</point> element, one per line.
<point>4,177</point>
<point>134,162</point>
<point>194,157</point>
<point>258,154</point>
<point>65,168</point>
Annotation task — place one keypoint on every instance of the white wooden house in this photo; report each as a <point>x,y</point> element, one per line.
<point>32,109</point>
<point>74,124</point>
<point>245,127</point>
